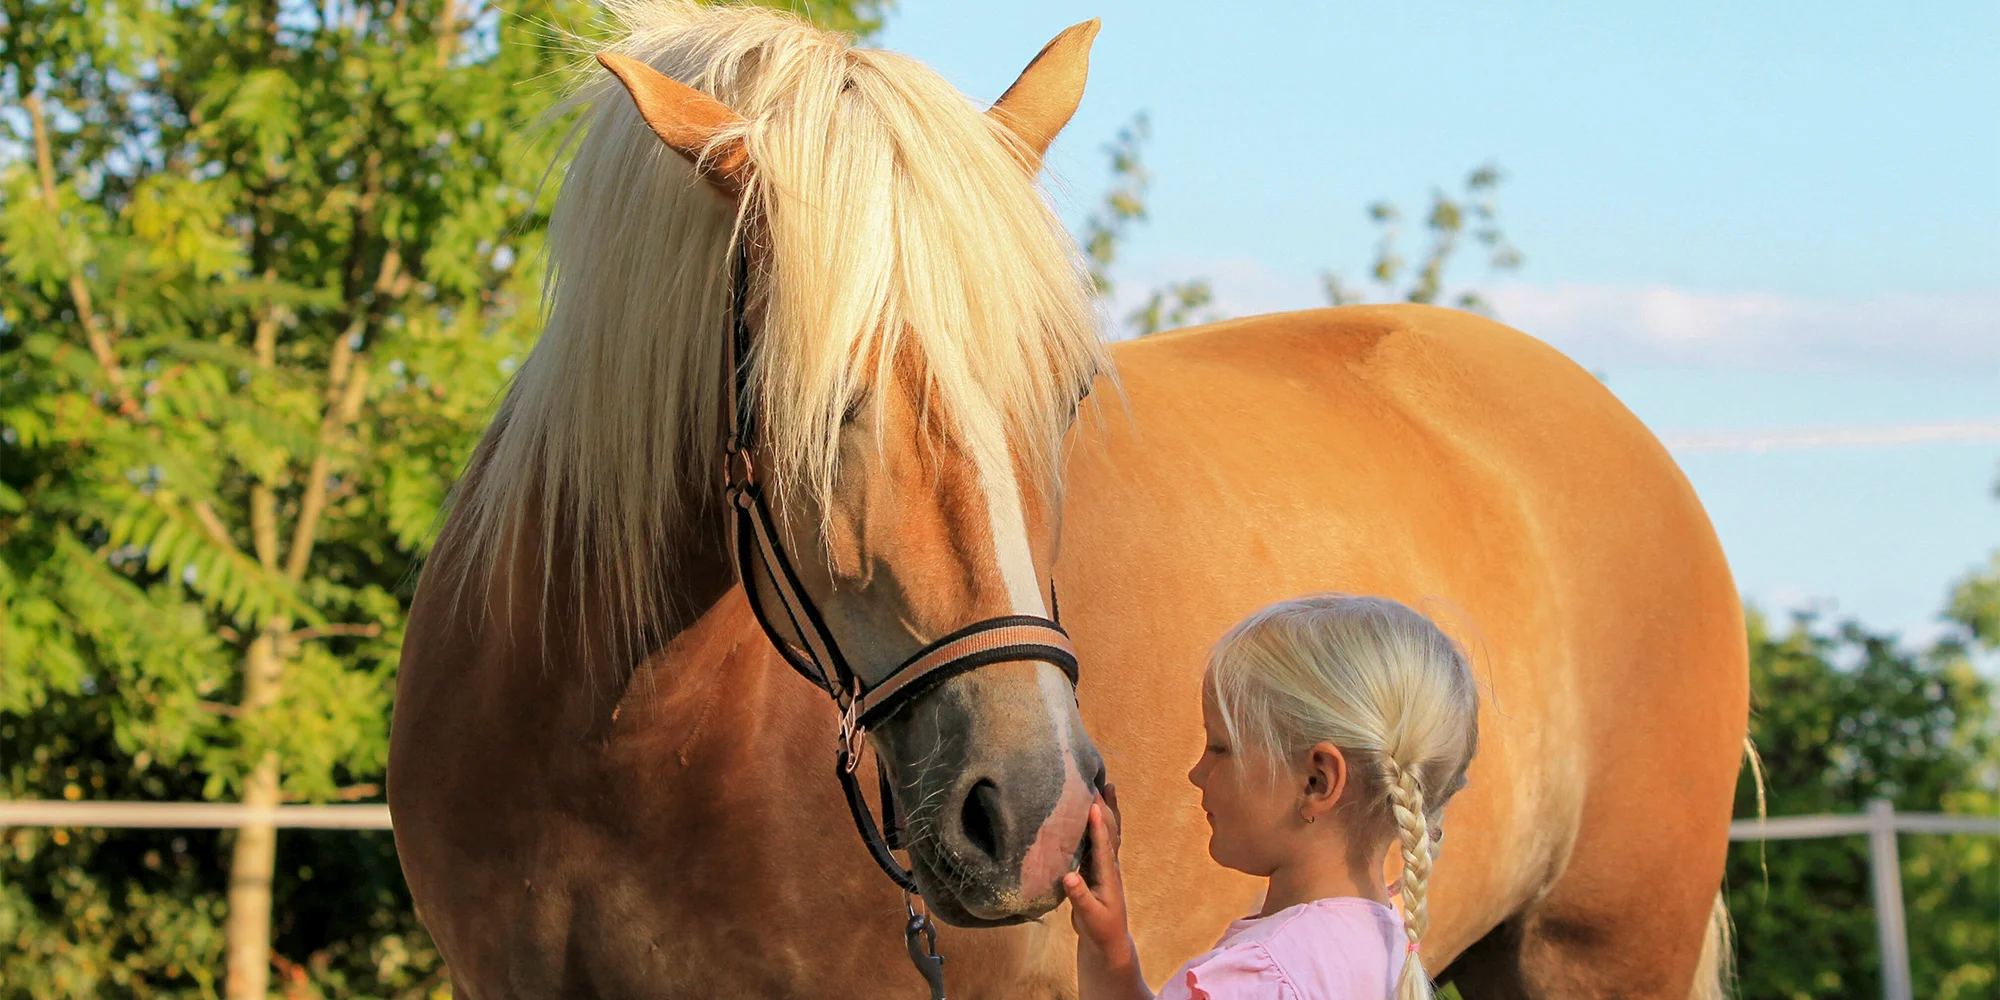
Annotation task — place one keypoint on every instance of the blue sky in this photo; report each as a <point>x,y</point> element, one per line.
<point>1747,217</point>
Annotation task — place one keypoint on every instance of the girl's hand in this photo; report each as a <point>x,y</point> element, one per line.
<point>1107,965</point>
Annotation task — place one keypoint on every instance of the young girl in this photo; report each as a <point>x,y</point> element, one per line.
<point>1338,727</point>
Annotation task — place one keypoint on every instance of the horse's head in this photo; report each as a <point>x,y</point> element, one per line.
<point>919,336</point>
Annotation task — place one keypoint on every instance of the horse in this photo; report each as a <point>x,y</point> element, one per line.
<point>779,260</point>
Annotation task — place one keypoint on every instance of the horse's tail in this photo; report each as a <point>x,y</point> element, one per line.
<point>1715,977</point>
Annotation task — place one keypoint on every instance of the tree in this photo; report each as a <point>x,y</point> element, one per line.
<point>1842,715</point>
<point>1975,603</point>
<point>1124,205</point>
<point>1476,212</point>
<point>1192,300</point>
<point>266,268</point>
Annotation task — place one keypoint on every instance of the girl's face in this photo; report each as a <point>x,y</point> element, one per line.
<point>1250,811</point>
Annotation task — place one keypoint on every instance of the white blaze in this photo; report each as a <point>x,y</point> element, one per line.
<point>1010,527</point>
<point>1010,541</point>
<point>1024,589</point>
<point>1055,840</point>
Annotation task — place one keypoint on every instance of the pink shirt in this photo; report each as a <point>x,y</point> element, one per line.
<point>1339,948</point>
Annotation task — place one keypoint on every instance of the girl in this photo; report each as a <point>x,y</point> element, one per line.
<point>1354,710</point>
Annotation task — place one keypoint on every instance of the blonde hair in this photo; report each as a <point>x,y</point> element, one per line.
<point>889,213</point>
<point>1386,686</point>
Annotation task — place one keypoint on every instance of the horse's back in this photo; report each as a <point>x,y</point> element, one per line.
<point>1454,463</point>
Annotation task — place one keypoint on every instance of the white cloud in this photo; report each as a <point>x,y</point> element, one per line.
<point>1607,325</point>
<point>1820,438</point>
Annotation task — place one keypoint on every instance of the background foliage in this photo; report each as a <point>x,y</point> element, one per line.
<point>266,265</point>
<point>263,267</point>
<point>1842,715</point>
<point>1448,223</point>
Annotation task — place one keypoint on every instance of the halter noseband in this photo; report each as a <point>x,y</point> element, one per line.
<point>816,656</point>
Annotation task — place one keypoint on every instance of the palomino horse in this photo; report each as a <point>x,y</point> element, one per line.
<point>607,781</point>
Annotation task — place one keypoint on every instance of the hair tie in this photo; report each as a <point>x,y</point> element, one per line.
<point>1410,949</point>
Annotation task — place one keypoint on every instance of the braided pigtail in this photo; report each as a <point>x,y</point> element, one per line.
<point>1386,687</point>
<point>1413,832</point>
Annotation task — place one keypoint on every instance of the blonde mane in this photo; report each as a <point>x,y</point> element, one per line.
<point>889,216</point>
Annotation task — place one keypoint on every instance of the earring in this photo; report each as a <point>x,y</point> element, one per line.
<point>1311,818</point>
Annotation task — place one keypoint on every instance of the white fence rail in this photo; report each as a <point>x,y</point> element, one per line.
<point>191,815</point>
<point>1881,823</point>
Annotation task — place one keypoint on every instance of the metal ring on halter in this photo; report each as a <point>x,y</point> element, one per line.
<point>733,450</point>
<point>852,733</point>
<point>920,938</point>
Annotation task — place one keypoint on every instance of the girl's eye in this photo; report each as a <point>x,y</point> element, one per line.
<point>1212,748</point>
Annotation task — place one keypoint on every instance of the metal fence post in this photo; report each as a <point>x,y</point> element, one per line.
<point>1886,864</point>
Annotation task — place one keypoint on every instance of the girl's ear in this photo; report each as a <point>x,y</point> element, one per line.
<point>1326,780</point>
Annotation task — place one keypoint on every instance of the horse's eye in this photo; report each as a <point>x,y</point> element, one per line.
<point>853,411</point>
<point>1077,404</point>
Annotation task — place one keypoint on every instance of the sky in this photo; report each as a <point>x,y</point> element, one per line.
<point>1773,229</point>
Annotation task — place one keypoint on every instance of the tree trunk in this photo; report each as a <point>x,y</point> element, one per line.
<point>247,930</point>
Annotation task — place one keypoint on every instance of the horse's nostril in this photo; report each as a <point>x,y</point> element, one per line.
<point>979,817</point>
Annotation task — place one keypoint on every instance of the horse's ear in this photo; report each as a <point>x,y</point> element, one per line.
<point>1041,101</point>
<point>687,120</point>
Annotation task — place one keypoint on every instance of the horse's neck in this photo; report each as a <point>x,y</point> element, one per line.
<point>622,637</point>
<point>578,632</point>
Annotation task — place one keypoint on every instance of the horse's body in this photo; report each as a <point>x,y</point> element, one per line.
<point>674,831</point>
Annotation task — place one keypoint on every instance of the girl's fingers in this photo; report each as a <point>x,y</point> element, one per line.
<point>1080,895</point>
<point>1117,819</point>
<point>1106,823</point>
<point>1102,847</point>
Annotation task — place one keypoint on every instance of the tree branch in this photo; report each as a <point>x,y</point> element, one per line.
<point>79,292</point>
<point>326,631</point>
<point>212,523</point>
<point>94,332</point>
<point>347,387</point>
<point>263,499</point>
<point>264,525</point>
<point>447,32</point>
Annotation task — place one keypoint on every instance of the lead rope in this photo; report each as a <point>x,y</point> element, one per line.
<point>755,532</point>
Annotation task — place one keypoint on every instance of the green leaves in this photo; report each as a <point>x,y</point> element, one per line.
<point>43,247</point>
<point>288,267</point>
<point>283,238</point>
<point>1975,604</point>
<point>1124,203</point>
<point>261,106</point>
<point>1475,213</point>
<point>1176,304</point>
<point>1841,715</point>
<point>182,225</point>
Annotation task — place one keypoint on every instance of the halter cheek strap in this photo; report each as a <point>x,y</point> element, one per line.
<point>809,646</point>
